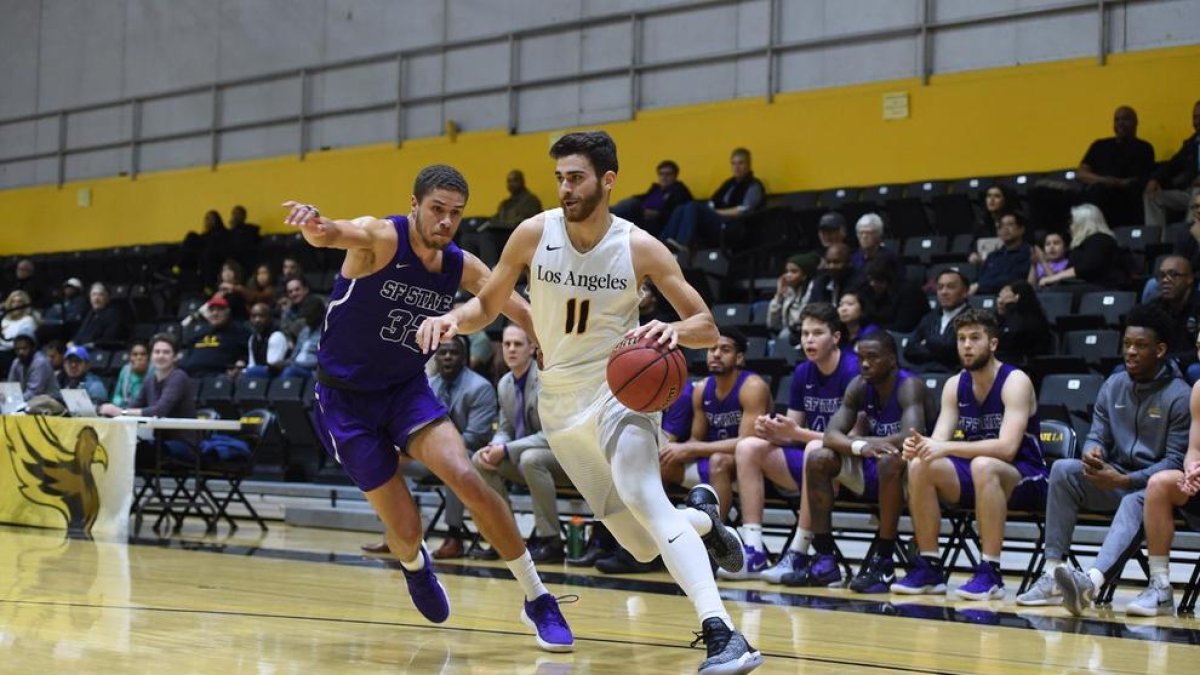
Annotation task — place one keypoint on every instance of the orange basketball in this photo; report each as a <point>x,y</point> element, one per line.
<point>646,376</point>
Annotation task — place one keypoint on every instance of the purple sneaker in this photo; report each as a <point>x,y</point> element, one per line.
<point>986,584</point>
<point>542,615</point>
<point>922,578</point>
<point>756,562</point>
<point>822,570</point>
<point>428,594</point>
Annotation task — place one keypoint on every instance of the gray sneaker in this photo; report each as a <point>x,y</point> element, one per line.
<point>789,562</point>
<point>1077,589</point>
<point>728,652</point>
<point>1044,592</point>
<point>723,543</point>
<point>1157,600</point>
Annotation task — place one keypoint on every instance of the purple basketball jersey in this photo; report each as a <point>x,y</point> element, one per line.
<point>981,421</point>
<point>820,396</point>
<point>884,417</point>
<point>724,415</point>
<point>369,339</point>
<point>677,418</point>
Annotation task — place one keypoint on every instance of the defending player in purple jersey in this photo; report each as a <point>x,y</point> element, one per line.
<point>775,451</point>
<point>372,396</point>
<point>993,406</point>
<point>867,464</point>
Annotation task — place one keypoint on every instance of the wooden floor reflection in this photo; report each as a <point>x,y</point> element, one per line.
<point>303,601</point>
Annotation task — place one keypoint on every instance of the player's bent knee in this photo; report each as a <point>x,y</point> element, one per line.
<point>985,468</point>
<point>889,466</point>
<point>1163,483</point>
<point>822,460</point>
<point>750,449</point>
<point>721,463</point>
<point>813,445</point>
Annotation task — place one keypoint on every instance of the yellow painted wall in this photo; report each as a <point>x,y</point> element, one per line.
<point>1024,118</point>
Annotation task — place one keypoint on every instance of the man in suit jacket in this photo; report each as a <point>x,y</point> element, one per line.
<point>934,345</point>
<point>519,451</point>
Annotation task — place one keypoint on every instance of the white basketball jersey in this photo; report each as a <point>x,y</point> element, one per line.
<point>582,303</point>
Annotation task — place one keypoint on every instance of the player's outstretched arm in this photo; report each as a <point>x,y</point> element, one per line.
<point>696,328</point>
<point>322,232</point>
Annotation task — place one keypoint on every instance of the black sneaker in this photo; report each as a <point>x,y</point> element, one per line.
<point>876,576</point>
<point>723,543</point>
<point>728,651</point>
<point>547,550</point>
<point>478,552</point>
<point>623,562</point>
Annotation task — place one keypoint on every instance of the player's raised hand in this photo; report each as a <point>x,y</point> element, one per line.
<point>305,217</point>
<point>663,332</point>
<point>435,330</point>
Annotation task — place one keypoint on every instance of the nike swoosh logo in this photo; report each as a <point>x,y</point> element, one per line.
<point>672,539</point>
<point>1118,406</point>
<point>552,248</point>
<point>809,386</point>
<point>400,267</point>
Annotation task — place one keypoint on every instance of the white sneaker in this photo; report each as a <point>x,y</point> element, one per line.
<point>791,561</point>
<point>1157,600</point>
<point>1044,592</point>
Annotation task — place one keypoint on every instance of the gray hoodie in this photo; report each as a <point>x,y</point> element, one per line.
<point>1142,427</point>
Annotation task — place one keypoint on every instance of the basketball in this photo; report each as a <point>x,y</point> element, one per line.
<point>646,376</point>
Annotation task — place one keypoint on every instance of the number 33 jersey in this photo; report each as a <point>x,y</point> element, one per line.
<point>369,337</point>
<point>583,303</point>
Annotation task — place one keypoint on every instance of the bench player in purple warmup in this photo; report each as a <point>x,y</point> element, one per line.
<point>372,395</point>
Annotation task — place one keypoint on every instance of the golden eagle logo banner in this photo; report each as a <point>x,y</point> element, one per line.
<point>64,473</point>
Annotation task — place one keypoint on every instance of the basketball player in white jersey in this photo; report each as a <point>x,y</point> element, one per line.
<point>584,269</point>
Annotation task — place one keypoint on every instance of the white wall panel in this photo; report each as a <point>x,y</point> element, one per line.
<point>476,67</point>
<point>181,113</point>
<point>355,28</point>
<point>81,54</point>
<point>1158,24</point>
<point>689,84</point>
<point>19,57</point>
<point>97,164</point>
<point>169,45</point>
<point>356,85</point>
<point>481,18</point>
<point>549,107</point>
<point>92,127</point>
<point>678,36</point>
<point>260,101</point>
<point>281,139</point>
<point>348,130</point>
<point>423,120</point>
<point>174,154</point>
<point>473,113</point>
<point>423,75</point>
<point>18,138</point>
<point>262,36</point>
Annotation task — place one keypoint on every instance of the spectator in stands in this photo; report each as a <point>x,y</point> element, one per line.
<point>834,277</point>
<point>858,316</point>
<point>77,374</point>
<point>1096,258</point>
<point>1115,170</point>
<point>899,303</point>
<point>997,201</point>
<point>24,279</point>
<point>261,288</point>
<point>267,349</point>
<point>103,324</point>
<point>1050,259</point>
<point>651,307</point>
<point>933,346</point>
<point>1176,184</point>
<point>869,230</point>
<point>471,400</point>
<point>736,198</point>
<point>1179,301</point>
<point>230,285</point>
<point>519,452</point>
<point>293,307</point>
<point>652,209</point>
<point>18,319</point>
<point>866,460</point>
<point>831,229</point>
<point>1024,328</point>
<point>1139,428</point>
<point>219,346</point>
<point>169,393</point>
<point>1008,263</point>
<point>64,315</point>
<point>518,206</point>
<point>302,362</point>
<point>792,293</point>
<point>1169,492</point>
<point>243,238</point>
<point>55,350</point>
<point>776,450</point>
<point>290,269</point>
<point>133,375</point>
<point>31,369</point>
<point>994,407</point>
<point>1187,244</point>
<point>202,254</point>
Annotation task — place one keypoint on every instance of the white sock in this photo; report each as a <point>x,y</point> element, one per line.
<point>1097,578</point>
<point>1160,569</point>
<point>930,554</point>
<point>699,520</point>
<point>416,564</point>
<point>991,558</point>
<point>802,542</point>
<point>1052,564</point>
<point>752,535</point>
<point>522,568</point>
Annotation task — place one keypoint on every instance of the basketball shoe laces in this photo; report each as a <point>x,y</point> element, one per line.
<point>715,635</point>
<point>551,613</point>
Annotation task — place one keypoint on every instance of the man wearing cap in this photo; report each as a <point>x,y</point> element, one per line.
<point>65,314</point>
<point>219,346</point>
<point>832,230</point>
<point>31,368</point>
<point>792,293</point>
<point>76,374</point>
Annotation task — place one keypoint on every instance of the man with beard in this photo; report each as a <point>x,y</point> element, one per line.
<point>834,276</point>
<point>867,464</point>
<point>372,395</point>
<point>775,451</point>
<point>994,408</point>
<point>584,269</point>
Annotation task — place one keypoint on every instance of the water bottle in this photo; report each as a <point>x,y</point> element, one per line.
<point>576,542</point>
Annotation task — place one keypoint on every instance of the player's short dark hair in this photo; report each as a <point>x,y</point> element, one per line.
<point>738,337</point>
<point>961,277</point>
<point>440,177</point>
<point>667,164</point>
<point>740,151</point>
<point>296,277</point>
<point>882,338</point>
<point>977,317</point>
<point>1151,318</point>
<point>463,343</point>
<point>167,338</point>
<point>597,146</point>
<point>1017,218</point>
<point>825,313</point>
